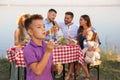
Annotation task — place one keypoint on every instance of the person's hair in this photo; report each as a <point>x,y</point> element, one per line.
<point>21,25</point>
<point>95,36</point>
<point>52,10</point>
<point>81,29</point>
<point>79,36</point>
<point>69,13</point>
<point>87,18</point>
<point>32,17</point>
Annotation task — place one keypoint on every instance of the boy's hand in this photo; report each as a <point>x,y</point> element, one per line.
<point>50,46</point>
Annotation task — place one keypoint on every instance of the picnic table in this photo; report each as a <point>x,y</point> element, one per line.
<point>15,54</point>
<point>62,54</point>
<point>67,54</point>
<point>17,63</point>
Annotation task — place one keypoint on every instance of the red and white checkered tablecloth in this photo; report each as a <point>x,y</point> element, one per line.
<point>62,54</point>
<point>15,54</point>
<point>67,54</point>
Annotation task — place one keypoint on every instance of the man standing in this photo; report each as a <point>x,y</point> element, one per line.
<point>50,24</point>
<point>69,30</point>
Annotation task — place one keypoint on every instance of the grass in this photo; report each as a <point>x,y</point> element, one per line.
<point>109,69</point>
<point>4,69</point>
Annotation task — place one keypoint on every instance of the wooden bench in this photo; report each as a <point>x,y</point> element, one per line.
<point>95,66</point>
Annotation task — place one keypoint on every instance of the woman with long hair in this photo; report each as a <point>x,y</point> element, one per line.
<point>85,25</point>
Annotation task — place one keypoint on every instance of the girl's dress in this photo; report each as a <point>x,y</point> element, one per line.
<point>90,56</point>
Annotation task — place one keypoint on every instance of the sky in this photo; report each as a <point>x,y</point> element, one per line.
<point>106,19</point>
<point>62,2</point>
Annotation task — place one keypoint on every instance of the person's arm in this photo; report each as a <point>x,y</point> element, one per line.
<point>95,48</point>
<point>53,29</point>
<point>38,67</point>
<point>16,37</point>
<point>54,67</point>
<point>72,40</point>
<point>56,24</point>
<point>98,49</point>
<point>84,50</point>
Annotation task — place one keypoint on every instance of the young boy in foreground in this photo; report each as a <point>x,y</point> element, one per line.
<point>38,54</point>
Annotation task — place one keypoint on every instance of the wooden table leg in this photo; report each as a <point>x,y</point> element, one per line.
<point>63,71</point>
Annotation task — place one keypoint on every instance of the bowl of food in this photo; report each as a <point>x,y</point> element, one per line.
<point>61,40</point>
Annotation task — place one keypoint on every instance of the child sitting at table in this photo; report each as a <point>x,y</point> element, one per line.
<point>20,35</point>
<point>37,53</point>
<point>91,42</point>
<point>20,40</point>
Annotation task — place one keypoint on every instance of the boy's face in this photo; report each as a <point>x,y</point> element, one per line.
<point>89,35</point>
<point>37,29</point>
